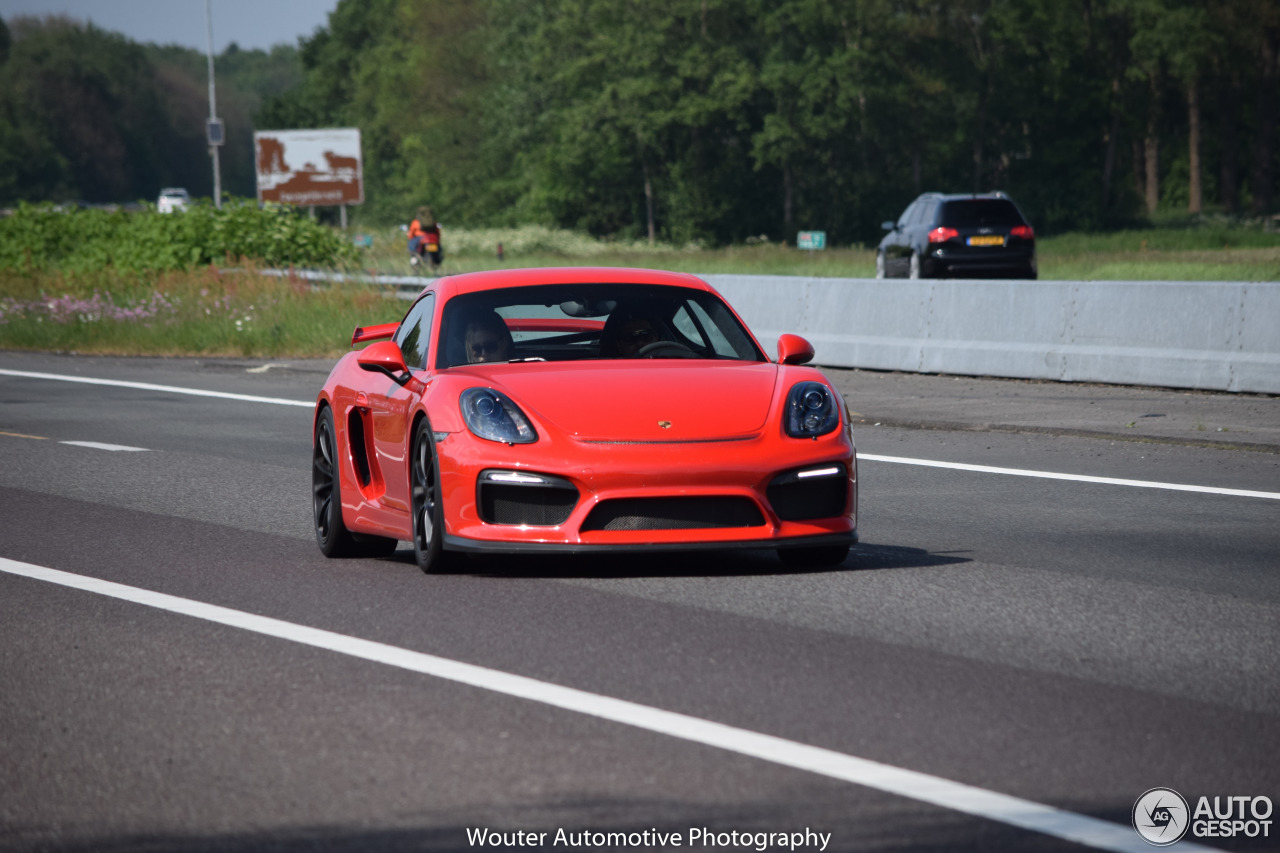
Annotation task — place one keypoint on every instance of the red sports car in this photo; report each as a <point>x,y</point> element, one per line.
<point>579,410</point>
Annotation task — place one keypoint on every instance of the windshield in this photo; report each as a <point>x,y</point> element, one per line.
<point>590,321</point>
<point>975,213</point>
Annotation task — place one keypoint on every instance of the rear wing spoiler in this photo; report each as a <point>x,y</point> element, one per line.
<point>380,332</point>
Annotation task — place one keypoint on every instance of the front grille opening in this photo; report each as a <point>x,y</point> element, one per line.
<point>536,506</point>
<point>798,499</point>
<point>696,513</point>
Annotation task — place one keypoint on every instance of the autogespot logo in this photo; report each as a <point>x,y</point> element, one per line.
<point>1160,816</point>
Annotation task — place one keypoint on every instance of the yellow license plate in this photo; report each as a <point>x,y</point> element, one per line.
<point>986,240</point>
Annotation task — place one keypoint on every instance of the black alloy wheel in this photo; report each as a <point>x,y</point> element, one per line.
<point>428,514</point>
<point>326,496</point>
<point>333,537</point>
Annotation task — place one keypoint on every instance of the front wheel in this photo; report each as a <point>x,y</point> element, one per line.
<point>428,512</point>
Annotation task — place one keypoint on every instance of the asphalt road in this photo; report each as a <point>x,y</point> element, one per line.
<point>1065,642</point>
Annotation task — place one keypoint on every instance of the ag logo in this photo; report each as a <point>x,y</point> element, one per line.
<point>1161,817</point>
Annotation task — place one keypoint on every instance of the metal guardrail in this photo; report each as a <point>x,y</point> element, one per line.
<point>406,287</point>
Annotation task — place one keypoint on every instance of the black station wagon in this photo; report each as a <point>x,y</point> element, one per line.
<point>938,236</point>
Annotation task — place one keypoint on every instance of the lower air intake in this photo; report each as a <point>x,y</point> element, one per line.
<point>535,506</point>
<point>673,514</point>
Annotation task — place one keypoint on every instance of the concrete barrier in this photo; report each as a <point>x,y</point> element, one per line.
<point>1221,336</point>
<point>1207,335</point>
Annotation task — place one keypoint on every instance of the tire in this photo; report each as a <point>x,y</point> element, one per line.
<point>913,268</point>
<point>332,535</point>
<point>880,271</point>
<point>428,511</point>
<point>817,556</point>
<point>326,490</point>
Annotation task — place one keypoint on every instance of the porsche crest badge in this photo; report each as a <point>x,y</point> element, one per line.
<point>665,424</point>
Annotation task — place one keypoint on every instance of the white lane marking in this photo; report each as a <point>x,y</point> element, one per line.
<point>1079,478</point>
<point>97,445</point>
<point>959,466</point>
<point>171,389</point>
<point>911,784</point>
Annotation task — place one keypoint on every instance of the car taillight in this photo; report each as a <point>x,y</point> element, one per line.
<point>942,235</point>
<point>1025,232</point>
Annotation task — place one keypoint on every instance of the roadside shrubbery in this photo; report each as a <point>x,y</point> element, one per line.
<point>45,238</point>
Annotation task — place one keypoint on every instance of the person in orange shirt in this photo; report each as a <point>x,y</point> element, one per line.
<point>424,239</point>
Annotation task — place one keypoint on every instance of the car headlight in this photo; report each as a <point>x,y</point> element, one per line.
<point>811,411</point>
<point>491,414</point>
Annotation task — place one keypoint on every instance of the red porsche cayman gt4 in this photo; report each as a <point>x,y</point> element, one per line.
<point>579,410</point>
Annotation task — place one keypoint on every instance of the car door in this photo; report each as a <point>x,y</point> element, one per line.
<point>921,225</point>
<point>898,249</point>
<point>392,403</point>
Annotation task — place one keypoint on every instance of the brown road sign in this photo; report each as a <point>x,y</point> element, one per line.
<point>306,167</point>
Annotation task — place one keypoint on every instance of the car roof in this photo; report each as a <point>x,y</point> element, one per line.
<point>965,196</point>
<point>173,191</point>
<point>494,279</point>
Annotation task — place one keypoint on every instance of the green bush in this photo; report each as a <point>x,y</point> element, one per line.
<point>46,238</point>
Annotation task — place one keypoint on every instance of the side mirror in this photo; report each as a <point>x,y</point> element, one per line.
<point>384,357</point>
<point>889,225</point>
<point>793,349</point>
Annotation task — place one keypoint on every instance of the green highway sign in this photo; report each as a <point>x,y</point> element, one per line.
<point>811,240</point>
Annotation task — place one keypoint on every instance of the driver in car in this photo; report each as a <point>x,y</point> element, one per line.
<point>488,339</point>
<point>627,331</point>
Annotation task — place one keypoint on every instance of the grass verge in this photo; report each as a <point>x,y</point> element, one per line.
<point>200,312</point>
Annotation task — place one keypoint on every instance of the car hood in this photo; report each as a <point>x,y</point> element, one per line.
<point>661,400</point>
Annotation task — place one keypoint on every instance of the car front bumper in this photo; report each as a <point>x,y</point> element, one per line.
<point>740,493</point>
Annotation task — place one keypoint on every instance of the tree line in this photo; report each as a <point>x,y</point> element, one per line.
<point>722,120</point>
<point>89,115</point>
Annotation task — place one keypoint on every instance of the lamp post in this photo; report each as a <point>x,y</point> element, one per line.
<point>214,126</point>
